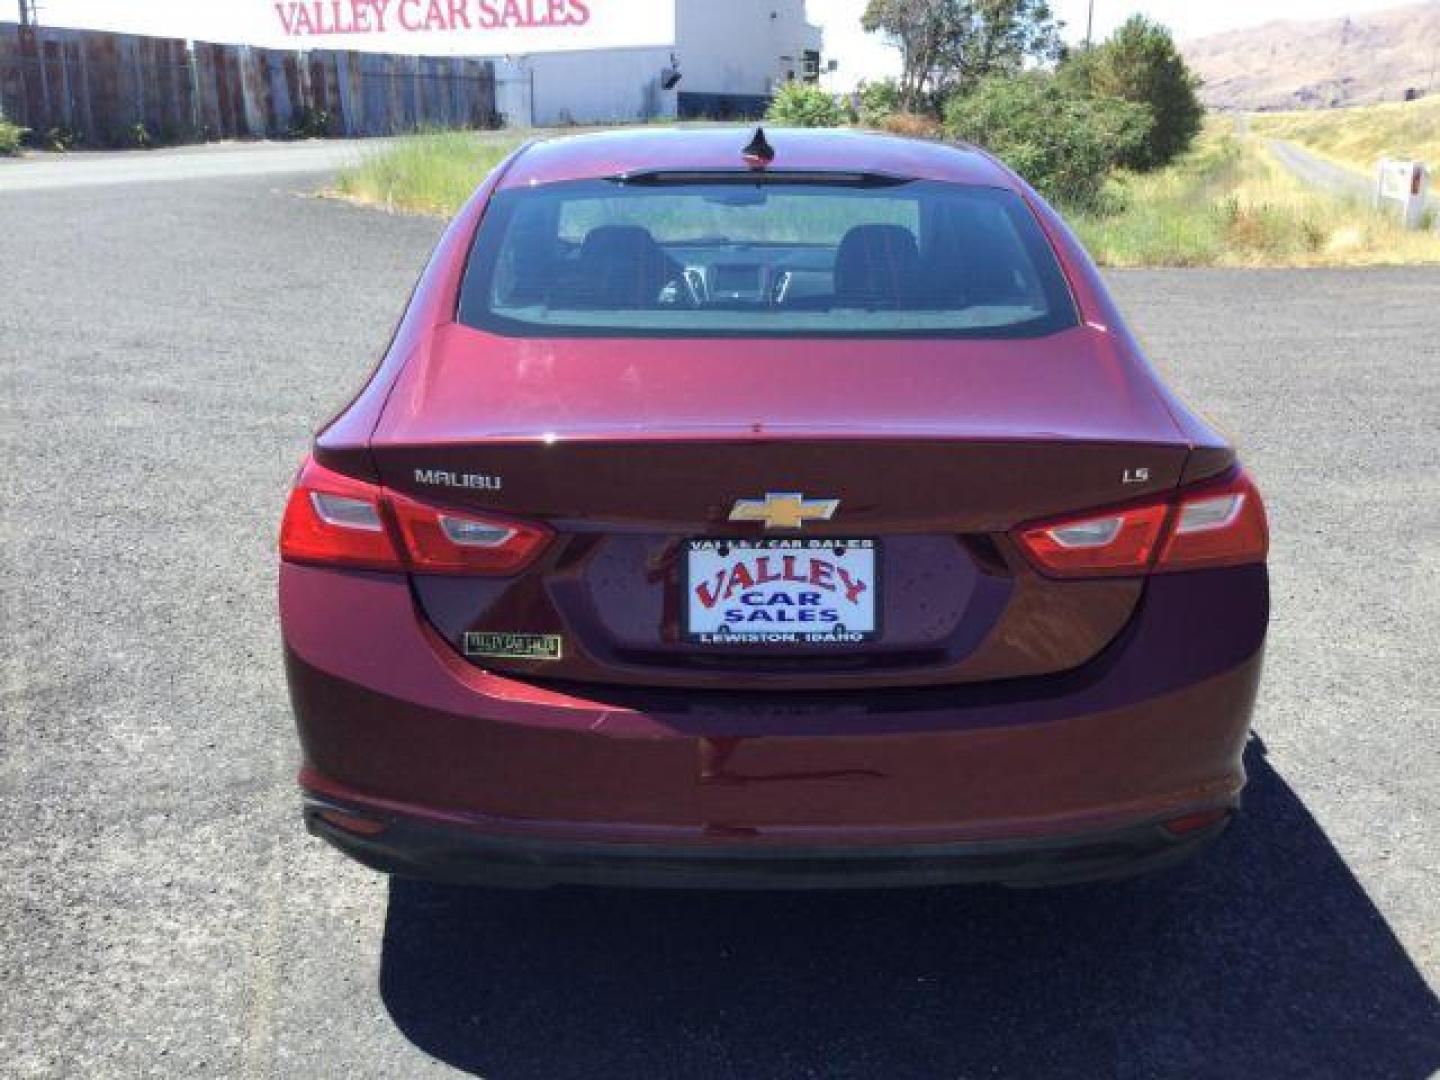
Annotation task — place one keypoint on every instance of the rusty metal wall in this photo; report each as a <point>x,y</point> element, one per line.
<point>122,89</point>
<point>98,86</point>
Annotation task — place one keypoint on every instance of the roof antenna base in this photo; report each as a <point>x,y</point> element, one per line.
<point>759,153</point>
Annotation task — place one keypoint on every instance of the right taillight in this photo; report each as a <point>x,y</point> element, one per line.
<point>1217,523</point>
<point>336,520</point>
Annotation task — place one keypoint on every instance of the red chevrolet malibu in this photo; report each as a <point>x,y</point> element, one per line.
<point>784,510</point>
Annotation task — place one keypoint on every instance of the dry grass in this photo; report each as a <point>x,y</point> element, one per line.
<point>912,126</point>
<point>433,172</point>
<point>1359,137</point>
<point>1230,203</point>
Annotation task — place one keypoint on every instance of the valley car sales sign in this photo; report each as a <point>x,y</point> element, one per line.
<point>471,27</point>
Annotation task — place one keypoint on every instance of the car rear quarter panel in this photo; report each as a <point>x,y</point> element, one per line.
<point>1211,451</point>
<point>343,443</point>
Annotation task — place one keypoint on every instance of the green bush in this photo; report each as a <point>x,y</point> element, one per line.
<point>805,105</point>
<point>308,123</point>
<point>1140,63</point>
<point>1062,141</point>
<point>879,101</point>
<point>11,136</point>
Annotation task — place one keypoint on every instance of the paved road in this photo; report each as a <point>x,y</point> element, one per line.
<point>1327,176</point>
<point>45,171</point>
<point>167,347</point>
<point>1319,173</point>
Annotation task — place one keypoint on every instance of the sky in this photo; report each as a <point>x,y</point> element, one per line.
<point>860,55</point>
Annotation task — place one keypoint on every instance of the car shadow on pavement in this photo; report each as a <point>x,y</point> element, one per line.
<point>1262,957</point>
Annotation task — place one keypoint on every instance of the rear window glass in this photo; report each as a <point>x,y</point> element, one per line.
<point>721,258</point>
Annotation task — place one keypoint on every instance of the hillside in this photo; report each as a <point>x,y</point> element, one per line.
<point>1321,63</point>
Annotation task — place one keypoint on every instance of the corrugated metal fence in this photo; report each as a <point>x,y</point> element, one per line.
<point>122,89</point>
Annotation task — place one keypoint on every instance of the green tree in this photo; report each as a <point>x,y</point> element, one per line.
<point>800,104</point>
<point>1063,141</point>
<point>1140,63</point>
<point>950,45</point>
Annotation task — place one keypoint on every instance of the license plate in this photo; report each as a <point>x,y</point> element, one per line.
<point>812,591</point>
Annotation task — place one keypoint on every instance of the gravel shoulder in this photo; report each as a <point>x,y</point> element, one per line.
<point>166,349</point>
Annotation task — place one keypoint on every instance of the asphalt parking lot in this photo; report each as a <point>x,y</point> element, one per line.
<point>167,349</point>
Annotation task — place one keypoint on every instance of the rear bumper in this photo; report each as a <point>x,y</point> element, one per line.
<point>480,777</point>
<point>411,848</point>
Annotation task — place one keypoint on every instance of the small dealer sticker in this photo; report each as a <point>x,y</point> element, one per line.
<point>514,646</point>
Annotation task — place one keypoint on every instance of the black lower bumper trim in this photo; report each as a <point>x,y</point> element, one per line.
<point>411,849</point>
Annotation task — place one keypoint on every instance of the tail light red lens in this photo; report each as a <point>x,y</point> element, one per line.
<point>335,520</point>
<point>1218,523</point>
<point>444,542</point>
<point>1121,542</point>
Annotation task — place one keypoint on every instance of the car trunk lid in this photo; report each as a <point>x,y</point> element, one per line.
<point>632,450</point>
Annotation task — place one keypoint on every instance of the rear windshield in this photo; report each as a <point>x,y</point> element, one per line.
<point>714,258</point>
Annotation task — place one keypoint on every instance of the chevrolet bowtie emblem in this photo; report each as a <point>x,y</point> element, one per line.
<point>784,510</point>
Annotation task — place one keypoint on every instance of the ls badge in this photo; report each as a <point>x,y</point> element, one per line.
<point>514,646</point>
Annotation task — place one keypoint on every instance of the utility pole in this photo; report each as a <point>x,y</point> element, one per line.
<point>28,12</point>
<point>1089,24</point>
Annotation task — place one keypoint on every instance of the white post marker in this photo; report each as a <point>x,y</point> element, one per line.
<point>1404,184</point>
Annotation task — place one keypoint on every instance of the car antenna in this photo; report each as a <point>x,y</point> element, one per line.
<point>759,153</point>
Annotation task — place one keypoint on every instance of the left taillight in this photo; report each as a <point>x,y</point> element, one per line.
<point>1213,524</point>
<point>336,520</point>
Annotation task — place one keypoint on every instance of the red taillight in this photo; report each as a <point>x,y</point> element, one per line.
<point>1219,523</point>
<point>444,542</point>
<point>337,521</point>
<point>1119,542</point>
<point>334,520</point>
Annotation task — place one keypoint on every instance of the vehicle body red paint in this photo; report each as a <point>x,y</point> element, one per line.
<point>1003,721</point>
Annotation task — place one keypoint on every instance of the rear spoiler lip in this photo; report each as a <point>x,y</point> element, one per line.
<point>830,177</point>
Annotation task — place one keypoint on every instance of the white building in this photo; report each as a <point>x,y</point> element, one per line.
<point>730,55</point>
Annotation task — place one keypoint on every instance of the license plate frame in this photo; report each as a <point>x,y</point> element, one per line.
<point>779,547</point>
